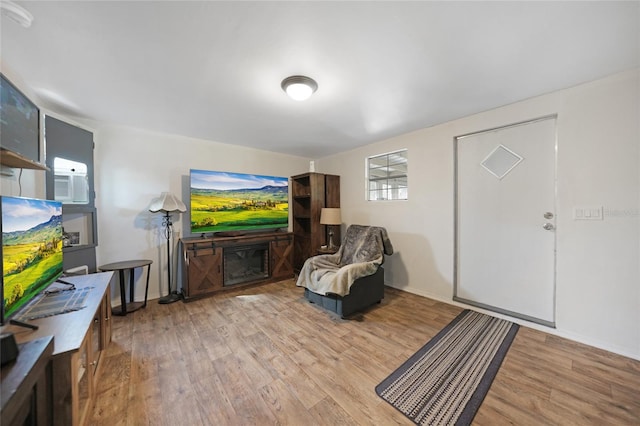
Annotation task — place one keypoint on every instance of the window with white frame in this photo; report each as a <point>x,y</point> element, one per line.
<point>387,176</point>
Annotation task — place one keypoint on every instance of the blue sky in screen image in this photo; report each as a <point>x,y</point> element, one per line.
<point>21,214</point>
<point>203,179</point>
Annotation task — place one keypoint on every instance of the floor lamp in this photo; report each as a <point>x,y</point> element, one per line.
<point>168,203</point>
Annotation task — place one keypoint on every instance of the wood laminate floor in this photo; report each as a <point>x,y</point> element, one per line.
<point>266,356</point>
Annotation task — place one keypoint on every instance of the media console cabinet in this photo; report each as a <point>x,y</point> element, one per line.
<point>213,264</point>
<point>79,339</point>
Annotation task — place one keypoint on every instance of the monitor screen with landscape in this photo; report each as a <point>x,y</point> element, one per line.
<point>237,202</point>
<point>31,249</point>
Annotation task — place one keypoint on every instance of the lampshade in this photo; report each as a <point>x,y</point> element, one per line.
<point>299,87</point>
<point>167,202</point>
<point>330,216</point>
<point>16,13</point>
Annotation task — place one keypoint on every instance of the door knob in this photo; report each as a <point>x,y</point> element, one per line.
<point>548,226</point>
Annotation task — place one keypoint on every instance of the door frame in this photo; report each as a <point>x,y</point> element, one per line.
<point>456,232</point>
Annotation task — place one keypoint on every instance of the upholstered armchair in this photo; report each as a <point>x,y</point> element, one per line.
<point>351,279</point>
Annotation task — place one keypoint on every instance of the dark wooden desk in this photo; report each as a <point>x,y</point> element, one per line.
<point>79,340</point>
<point>27,385</point>
<point>122,267</point>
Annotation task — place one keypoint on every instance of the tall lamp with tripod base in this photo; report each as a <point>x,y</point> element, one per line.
<point>168,203</point>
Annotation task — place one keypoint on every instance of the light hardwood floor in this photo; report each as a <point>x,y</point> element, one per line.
<point>266,356</point>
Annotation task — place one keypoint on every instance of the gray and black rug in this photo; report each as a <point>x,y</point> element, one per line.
<point>447,379</point>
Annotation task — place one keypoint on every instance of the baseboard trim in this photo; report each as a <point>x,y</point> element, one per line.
<point>576,337</point>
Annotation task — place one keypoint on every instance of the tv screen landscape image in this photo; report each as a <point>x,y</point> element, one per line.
<point>31,249</point>
<point>237,202</point>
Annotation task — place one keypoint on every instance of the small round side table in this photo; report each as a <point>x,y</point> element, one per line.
<point>121,267</point>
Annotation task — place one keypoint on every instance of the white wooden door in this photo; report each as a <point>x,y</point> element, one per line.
<point>505,219</point>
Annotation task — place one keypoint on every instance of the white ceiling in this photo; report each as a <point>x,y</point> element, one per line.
<point>212,70</point>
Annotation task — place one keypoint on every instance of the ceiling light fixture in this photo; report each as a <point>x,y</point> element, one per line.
<point>299,87</point>
<point>16,13</point>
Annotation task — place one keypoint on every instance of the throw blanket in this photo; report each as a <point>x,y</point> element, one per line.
<point>360,255</point>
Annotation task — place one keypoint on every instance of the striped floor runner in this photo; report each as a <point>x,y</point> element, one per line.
<point>447,379</point>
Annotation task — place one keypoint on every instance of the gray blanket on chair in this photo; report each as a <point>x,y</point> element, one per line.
<point>360,255</point>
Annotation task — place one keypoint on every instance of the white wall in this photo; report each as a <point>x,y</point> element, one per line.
<point>133,167</point>
<point>28,184</point>
<point>598,263</point>
<point>598,273</point>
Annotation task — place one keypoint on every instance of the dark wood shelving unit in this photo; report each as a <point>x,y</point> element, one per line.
<point>310,192</point>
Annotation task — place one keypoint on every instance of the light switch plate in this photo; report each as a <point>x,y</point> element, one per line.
<point>587,213</point>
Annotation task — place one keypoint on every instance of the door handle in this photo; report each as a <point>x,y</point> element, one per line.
<point>548,226</point>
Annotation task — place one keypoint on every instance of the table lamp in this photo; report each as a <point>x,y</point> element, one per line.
<point>330,217</point>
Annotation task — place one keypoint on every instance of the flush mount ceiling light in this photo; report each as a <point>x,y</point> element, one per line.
<point>299,87</point>
<point>16,13</point>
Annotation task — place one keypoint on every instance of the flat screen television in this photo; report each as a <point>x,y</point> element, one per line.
<point>31,250</point>
<point>19,122</point>
<point>237,203</point>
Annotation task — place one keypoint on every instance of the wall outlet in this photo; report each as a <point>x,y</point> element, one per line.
<point>587,213</point>
<point>6,171</point>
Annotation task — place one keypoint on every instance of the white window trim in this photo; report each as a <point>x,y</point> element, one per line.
<point>368,180</point>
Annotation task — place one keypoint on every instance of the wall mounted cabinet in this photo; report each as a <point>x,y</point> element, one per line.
<point>14,160</point>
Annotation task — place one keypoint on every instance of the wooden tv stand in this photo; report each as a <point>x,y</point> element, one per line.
<point>206,270</point>
<point>79,339</point>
